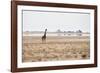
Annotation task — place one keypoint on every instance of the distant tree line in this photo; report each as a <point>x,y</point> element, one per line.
<point>78,32</point>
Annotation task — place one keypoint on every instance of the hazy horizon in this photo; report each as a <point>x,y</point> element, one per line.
<point>53,31</point>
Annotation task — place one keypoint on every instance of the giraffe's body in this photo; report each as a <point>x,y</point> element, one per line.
<point>44,36</point>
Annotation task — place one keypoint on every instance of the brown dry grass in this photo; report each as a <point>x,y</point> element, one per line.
<point>55,48</point>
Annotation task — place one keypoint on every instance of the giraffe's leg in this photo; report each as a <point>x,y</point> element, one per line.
<point>42,39</point>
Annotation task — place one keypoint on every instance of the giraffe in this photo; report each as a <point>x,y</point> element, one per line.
<point>44,36</point>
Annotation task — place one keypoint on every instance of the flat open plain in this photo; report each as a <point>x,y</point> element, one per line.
<point>55,48</point>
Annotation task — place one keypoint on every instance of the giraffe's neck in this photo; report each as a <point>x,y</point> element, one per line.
<point>45,33</point>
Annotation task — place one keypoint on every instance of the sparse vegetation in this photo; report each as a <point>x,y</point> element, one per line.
<point>55,48</point>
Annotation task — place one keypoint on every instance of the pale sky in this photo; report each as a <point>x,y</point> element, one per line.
<point>65,21</point>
